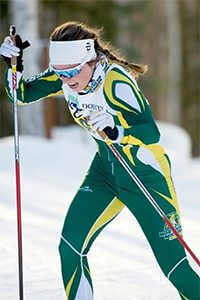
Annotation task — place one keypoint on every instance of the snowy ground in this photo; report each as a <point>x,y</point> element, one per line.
<point>121,261</point>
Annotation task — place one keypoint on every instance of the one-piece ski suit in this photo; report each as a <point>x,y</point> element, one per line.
<point>107,187</point>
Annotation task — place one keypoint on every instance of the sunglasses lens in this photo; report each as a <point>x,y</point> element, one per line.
<point>74,72</point>
<point>68,73</point>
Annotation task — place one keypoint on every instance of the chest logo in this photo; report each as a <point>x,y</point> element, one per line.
<point>91,106</point>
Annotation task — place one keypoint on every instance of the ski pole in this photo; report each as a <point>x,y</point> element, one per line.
<point>17,164</point>
<point>148,195</point>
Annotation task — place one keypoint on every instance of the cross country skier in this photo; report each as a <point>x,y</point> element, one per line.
<point>102,94</point>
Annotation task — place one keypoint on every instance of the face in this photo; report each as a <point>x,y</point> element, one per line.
<point>79,81</point>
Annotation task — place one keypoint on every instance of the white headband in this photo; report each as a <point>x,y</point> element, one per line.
<point>71,52</point>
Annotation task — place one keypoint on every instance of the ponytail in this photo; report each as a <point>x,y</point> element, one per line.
<point>70,31</point>
<point>134,69</point>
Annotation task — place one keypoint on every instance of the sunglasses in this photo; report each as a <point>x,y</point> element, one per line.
<point>68,73</point>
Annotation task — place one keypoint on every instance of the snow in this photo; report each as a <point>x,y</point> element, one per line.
<point>121,260</point>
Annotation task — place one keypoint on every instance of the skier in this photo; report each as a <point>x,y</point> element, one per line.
<point>103,95</point>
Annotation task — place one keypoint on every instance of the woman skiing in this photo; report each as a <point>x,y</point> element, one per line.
<point>103,95</point>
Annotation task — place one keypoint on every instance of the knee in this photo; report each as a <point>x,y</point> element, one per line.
<point>61,247</point>
<point>66,249</point>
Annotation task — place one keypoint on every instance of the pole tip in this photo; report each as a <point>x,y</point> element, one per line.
<point>12,30</point>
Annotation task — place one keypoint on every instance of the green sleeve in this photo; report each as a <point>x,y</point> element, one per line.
<point>133,110</point>
<point>43,85</point>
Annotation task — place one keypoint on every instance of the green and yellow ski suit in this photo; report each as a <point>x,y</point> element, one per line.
<point>107,187</point>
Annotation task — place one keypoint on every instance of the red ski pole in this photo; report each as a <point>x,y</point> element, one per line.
<point>148,195</point>
<point>17,165</point>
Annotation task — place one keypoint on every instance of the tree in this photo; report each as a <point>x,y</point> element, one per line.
<point>24,14</point>
<point>173,108</point>
<point>190,92</point>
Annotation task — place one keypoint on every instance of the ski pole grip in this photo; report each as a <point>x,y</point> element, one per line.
<point>12,35</point>
<point>102,134</point>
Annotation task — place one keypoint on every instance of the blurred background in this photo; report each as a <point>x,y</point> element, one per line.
<point>164,34</point>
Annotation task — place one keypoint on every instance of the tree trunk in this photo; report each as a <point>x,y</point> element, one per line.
<point>24,15</point>
<point>190,17</point>
<point>174,62</point>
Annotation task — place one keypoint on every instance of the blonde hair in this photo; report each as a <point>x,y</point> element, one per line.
<point>71,31</point>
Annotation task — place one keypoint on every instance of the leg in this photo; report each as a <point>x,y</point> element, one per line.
<point>91,210</point>
<point>168,251</point>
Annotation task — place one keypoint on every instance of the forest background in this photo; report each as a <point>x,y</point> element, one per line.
<point>164,34</point>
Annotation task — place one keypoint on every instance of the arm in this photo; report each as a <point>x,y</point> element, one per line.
<point>35,88</point>
<point>43,85</point>
<point>134,114</point>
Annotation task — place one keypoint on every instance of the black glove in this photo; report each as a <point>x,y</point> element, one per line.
<point>112,133</point>
<point>21,45</point>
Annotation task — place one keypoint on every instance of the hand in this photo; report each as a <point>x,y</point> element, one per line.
<point>104,121</point>
<point>100,120</point>
<point>8,49</point>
